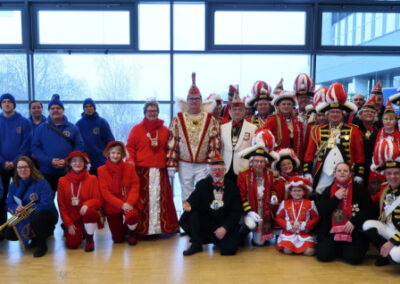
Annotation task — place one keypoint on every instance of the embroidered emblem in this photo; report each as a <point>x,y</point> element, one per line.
<point>66,133</point>
<point>96,131</point>
<point>19,129</point>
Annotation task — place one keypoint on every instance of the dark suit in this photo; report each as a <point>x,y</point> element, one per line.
<point>201,222</point>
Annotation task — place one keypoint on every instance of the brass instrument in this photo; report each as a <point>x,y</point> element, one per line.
<point>20,216</point>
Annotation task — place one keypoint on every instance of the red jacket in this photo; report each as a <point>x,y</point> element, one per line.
<point>128,193</point>
<point>89,195</point>
<point>140,151</point>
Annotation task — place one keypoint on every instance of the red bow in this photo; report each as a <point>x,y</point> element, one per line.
<point>236,124</point>
<point>218,184</point>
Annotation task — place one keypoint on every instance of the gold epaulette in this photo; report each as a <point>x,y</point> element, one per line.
<point>244,169</point>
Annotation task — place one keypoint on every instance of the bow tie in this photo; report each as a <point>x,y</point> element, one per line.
<point>236,124</point>
<point>218,184</point>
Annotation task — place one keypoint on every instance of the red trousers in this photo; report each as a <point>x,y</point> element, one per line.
<point>116,223</point>
<point>74,241</point>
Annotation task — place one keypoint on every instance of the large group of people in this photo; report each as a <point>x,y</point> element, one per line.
<point>308,168</point>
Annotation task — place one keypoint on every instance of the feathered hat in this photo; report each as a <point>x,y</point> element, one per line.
<point>284,95</point>
<point>395,98</point>
<point>299,182</point>
<point>386,155</point>
<point>260,91</point>
<point>286,153</point>
<point>336,98</point>
<point>264,143</point>
<point>303,85</point>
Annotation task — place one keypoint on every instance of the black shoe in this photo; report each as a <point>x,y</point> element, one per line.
<point>40,251</point>
<point>382,261</point>
<point>192,250</point>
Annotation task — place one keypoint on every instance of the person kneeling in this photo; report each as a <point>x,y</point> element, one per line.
<point>297,217</point>
<point>78,200</point>
<point>212,212</point>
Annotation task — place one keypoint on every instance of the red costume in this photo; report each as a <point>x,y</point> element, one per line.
<point>150,160</point>
<point>86,188</point>
<point>119,184</point>
<point>247,183</point>
<point>302,211</point>
<point>286,136</point>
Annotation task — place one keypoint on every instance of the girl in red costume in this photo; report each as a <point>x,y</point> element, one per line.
<point>78,200</point>
<point>119,186</point>
<point>297,216</point>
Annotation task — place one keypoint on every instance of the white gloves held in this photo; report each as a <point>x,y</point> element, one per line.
<point>251,219</point>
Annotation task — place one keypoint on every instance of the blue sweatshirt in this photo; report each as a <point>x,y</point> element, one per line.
<point>35,126</point>
<point>96,133</point>
<point>47,144</point>
<point>41,189</point>
<point>16,138</point>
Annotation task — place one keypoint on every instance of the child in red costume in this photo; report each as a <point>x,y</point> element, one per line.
<point>297,216</point>
<point>119,186</point>
<point>78,200</point>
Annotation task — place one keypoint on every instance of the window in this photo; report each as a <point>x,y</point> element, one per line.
<point>84,27</point>
<point>13,75</point>
<point>10,27</point>
<point>102,77</point>
<point>189,27</point>
<point>154,27</point>
<point>260,28</point>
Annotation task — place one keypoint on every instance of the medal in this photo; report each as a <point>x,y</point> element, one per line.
<point>75,198</point>
<point>338,216</point>
<point>368,134</point>
<point>75,201</point>
<point>297,216</point>
<point>217,202</point>
<point>154,142</point>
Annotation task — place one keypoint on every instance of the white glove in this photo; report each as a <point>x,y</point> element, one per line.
<point>253,215</point>
<point>274,200</point>
<point>358,179</point>
<point>309,177</point>
<point>171,173</point>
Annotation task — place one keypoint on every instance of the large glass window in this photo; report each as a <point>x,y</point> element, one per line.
<point>13,75</point>
<point>260,28</point>
<point>154,27</point>
<point>84,27</point>
<point>189,26</point>
<point>10,27</point>
<point>371,29</point>
<point>216,72</point>
<point>102,77</point>
<point>359,74</point>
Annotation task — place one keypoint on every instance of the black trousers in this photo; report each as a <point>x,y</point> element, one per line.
<point>53,181</point>
<point>42,222</point>
<point>352,252</point>
<point>5,180</point>
<point>200,232</point>
<point>231,174</point>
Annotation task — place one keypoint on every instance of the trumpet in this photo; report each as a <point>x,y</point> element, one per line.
<point>20,216</point>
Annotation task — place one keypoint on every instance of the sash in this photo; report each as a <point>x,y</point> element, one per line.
<point>61,134</point>
<point>392,206</point>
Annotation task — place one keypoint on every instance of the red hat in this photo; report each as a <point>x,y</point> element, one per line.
<point>113,144</point>
<point>217,160</point>
<point>377,89</point>
<point>265,138</point>
<point>260,91</point>
<point>284,95</point>
<point>395,98</point>
<point>286,153</point>
<point>255,150</point>
<point>233,89</point>
<point>299,182</point>
<point>370,104</point>
<point>215,97</point>
<point>389,108</point>
<point>303,85</point>
<point>236,101</point>
<point>336,98</point>
<point>319,96</point>
<point>194,91</point>
<point>278,88</point>
<point>386,155</point>
<point>77,154</point>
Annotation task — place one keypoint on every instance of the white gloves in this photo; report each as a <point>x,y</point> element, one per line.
<point>171,173</point>
<point>251,219</point>
<point>358,179</point>
<point>274,200</point>
<point>309,177</point>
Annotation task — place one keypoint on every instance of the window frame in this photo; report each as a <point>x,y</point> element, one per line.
<point>24,28</point>
<point>133,28</point>
<point>210,27</point>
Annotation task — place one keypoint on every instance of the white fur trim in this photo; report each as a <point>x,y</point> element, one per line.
<point>394,98</point>
<point>207,106</point>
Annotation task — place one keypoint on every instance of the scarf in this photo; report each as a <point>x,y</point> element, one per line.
<point>152,132</point>
<point>76,178</point>
<point>342,213</point>
<point>115,171</point>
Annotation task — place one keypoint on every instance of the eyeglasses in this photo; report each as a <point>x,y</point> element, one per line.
<point>217,169</point>
<point>23,167</point>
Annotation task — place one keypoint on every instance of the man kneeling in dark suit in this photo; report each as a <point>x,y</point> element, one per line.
<point>212,212</point>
